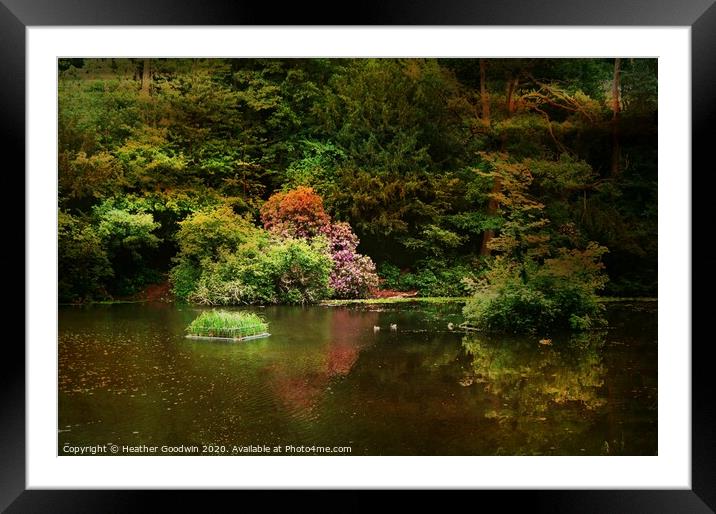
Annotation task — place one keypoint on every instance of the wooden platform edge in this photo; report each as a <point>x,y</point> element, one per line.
<point>232,339</point>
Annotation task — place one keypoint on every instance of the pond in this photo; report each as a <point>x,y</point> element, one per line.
<point>327,377</point>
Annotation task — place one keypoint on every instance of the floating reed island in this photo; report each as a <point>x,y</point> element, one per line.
<point>228,326</point>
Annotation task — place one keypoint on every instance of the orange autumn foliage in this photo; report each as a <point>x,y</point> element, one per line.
<point>297,213</point>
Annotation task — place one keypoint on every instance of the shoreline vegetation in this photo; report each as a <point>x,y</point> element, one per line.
<point>527,188</point>
<point>377,301</point>
<point>454,299</point>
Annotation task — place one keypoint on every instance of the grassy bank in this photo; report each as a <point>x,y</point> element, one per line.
<point>380,301</point>
<point>451,299</point>
<point>101,302</point>
<point>615,299</point>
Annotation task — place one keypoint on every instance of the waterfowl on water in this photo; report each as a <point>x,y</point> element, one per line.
<point>393,326</point>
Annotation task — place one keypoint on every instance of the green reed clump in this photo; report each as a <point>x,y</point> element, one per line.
<point>227,324</point>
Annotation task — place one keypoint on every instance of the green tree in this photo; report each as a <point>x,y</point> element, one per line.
<point>389,144</point>
<point>83,266</point>
<point>128,239</point>
<point>533,283</point>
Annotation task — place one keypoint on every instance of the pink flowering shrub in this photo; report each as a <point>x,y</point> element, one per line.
<point>353,274</point>
<point>300,213</point>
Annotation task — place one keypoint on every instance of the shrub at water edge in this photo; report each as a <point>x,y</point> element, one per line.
<point>292,271</point>
<point>561,293</point>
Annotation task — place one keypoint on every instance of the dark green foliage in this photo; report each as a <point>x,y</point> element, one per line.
<point>527,296</point>
<point>389,275</point>
<point>430,278</point>
<point>83,265</point>
<point>540,279</point>
<point>129,240</point>
<point>436,280</point>
<point>316,167</point>
<point>171,177</point>
<point>184,278</point>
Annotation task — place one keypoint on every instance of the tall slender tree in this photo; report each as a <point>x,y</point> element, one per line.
<point>616,111</point>
<point>146,77</point>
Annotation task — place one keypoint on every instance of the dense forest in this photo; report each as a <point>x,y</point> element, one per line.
<point>528,183</point>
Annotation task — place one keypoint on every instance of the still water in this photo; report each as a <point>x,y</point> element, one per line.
<point>327,377</point>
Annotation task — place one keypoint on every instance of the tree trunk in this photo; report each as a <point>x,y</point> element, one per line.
<point>616,109</point>
<point>146,77</point>
<point>510,102</point>
<point>484,96</point>
<point>492,205</point>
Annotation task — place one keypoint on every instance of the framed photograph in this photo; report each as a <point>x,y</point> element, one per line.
<point>419,249</point>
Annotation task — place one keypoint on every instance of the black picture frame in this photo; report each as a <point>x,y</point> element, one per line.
<point>700,15</point>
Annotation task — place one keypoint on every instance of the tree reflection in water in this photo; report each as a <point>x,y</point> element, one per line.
<point>540,396</point>
<point>301,383</point>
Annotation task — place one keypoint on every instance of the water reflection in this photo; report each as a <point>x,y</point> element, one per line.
<point>300,379</point>
<point>325,376</point>
<point>539,395</point>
